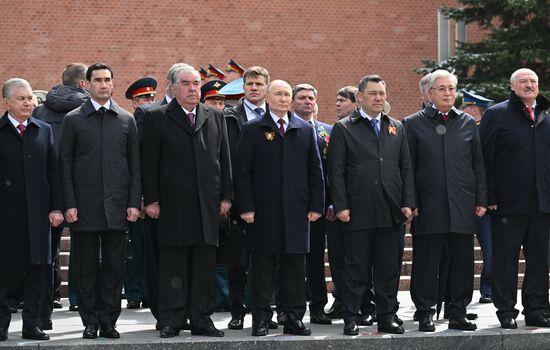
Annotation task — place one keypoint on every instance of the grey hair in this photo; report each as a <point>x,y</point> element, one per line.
<point>181,68</point>
<point>170,74</point>
<point>423,83</point>
<point>514,75</point>
<point>441,73</point>
<point>12,83</point>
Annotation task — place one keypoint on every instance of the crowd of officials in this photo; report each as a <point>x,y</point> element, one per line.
<point>233,169</point>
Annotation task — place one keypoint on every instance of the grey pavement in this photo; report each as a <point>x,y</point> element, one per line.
<point>137,329</point>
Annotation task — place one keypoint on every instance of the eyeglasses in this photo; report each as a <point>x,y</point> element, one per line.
<point>443,89</point>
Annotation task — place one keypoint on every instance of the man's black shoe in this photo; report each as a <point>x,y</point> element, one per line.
<point>366,320</point>
<point>272,325</point>
<point>13,309</point>
<point>169,332</point>
<point>186,325</point>
<point>133,304</point>
<point>46,325</point>
<point>319,318</point>
<point>108,331</point>
<point>508,323</point>
<point>90,332</point>
<point>485,299</point>
<point>281,318</point>
<point>3,334</point>
<point>335,311</point>
<point>21,305</point>
<point>158,326</point>
<point>34,333</point>
<point>426,324</point>
<point>237,322</point>
<point>210,331</point>
<point>390,326</point>
<point>539,321</point>
<point>57,304</point>
<point>351,328</point>
<point>296,327</point>
<point>260,328</point>
<point>398,320</point>
<point>462,324</point>
<point>471,316</point>
<point>73,308</point>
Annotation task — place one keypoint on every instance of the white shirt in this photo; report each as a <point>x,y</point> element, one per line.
<point>366,116</point>
<point>97,106</point>
<point>249,109</point>
<point>276,120</point>
<point>194,111</point>
<point>16,123</point>
<point>168,99</point>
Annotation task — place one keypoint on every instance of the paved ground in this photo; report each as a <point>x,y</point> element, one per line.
<point>137,332</point>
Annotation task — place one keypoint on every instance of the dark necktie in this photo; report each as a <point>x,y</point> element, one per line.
<point>21,129</point>
<point>531,113</point>
<point>443,117</point>
<point>375,126</point>
<point>101,110</point>
<point>191,117</point>
<point>259,111</point>
<point>281,126</point>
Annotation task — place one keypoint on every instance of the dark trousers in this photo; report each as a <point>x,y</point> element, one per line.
<point>237,277</point>
<point>483,235</point>
<point>186,285</point>
<point>335,244</point>
<point>510,232</point>
<point>71,283</point>
<point>427,253</point>
<point>134,285</point>
<point>377,249</point>
<point>291,280</point>
<point>98,283</point>
<point>151,263</point>
<point>35,290</point>
<point>53,278</point>
<point>315,267</point>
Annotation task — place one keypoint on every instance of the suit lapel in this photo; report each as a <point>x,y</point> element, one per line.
<point>203,113</point>
<point>176,114</point>
<point>268,122</point>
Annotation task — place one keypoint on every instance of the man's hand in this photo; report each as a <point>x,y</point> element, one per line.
<point>133,214</point>
<point>330,215</point>
<point>153,210</point>
<point>408,214</point>
<point>415,213</point>
<point>492,207</point>
<point>71,215</point>
<point>313,216</point>
<point>225,205</point>
<point>248,217</point>
<point>343,215</point>
<point>480,211</point>
<point>56,218</point>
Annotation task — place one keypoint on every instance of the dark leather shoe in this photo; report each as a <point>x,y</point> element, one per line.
<point>108,331</point>
<point>73,308</point>
<point>426,324</point>
<point>366,320</point>
<point>319,318</point>
<point>390,326</point>
<point>485,299</point>
<point>169,332</point>
<point>272,325</point>
<point>281,318</point>
<point>539,321</point>
<point>90,332</point>
<point>335,311</point>
<point>260,328</point>
<point>237,322</point>
<point>210,331</point>
<point>296,327</point>
<point>46,325</point>
<point>3,334</point>
<point>462,324</point>
<point>186,325</point>
<point>351,328</point>
<point>471,316</point>
<point>57,304</point>
<point>21,305</point>
<point>13,309</point>
<point>34,333</point>
<point>508,323</point>
<point>398,320</point>
<point>159,326</point>
<point>133,304</point>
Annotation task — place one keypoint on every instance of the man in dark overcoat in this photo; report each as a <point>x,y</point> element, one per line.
<point>515,137</point>
<point>371,186</point>
<point>30,201</point>
<point>99,156</point>
<point>187,173</point>
<point>450,187</point>
<point>280,189</point>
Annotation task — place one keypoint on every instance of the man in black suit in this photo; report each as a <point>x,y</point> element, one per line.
<point>280,189</point>
<point>99,156</point>
<point>450,186</point>
<point>30,201</point>
<point>304,97</point>
<point>515,137</point>
<point>371,186</point>
<point>187,172</point>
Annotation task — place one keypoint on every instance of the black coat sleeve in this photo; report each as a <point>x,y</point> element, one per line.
<point>315,177</point>
<point>66,158</point>
<point>337,159</point>
<point>54,176</point>
<point>488,136</point>
<point>407,176</point>
<point>243,173</point>
<point>150,159</point>
<point>225,163</point>
<point>132,149</point>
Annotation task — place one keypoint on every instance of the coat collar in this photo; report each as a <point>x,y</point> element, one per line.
<point>543,105</point>
<point>88,108</point>
<point>293,121</point>
<point>356,116</point>
<point>176,113</point>
<point>4,120</point>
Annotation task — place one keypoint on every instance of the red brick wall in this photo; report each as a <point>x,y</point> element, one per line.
<point>328,44</point>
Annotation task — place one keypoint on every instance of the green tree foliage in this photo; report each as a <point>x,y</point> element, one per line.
<point>518,35</point>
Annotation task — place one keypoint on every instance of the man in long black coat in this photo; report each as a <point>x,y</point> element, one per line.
<point>187,173</point>
<point>515,137</point>
<point>30,201</point>
<point>371,187</point>
<point>280,189</point>
<point>99,156</point>
<point>450,186</point>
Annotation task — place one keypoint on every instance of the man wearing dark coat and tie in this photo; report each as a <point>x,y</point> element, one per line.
<point>30,201</point>
<point>371,187</point>
<point>186,171</point>
<point>280,190</point>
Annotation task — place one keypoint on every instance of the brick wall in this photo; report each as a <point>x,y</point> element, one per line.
<point>328,43</point>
